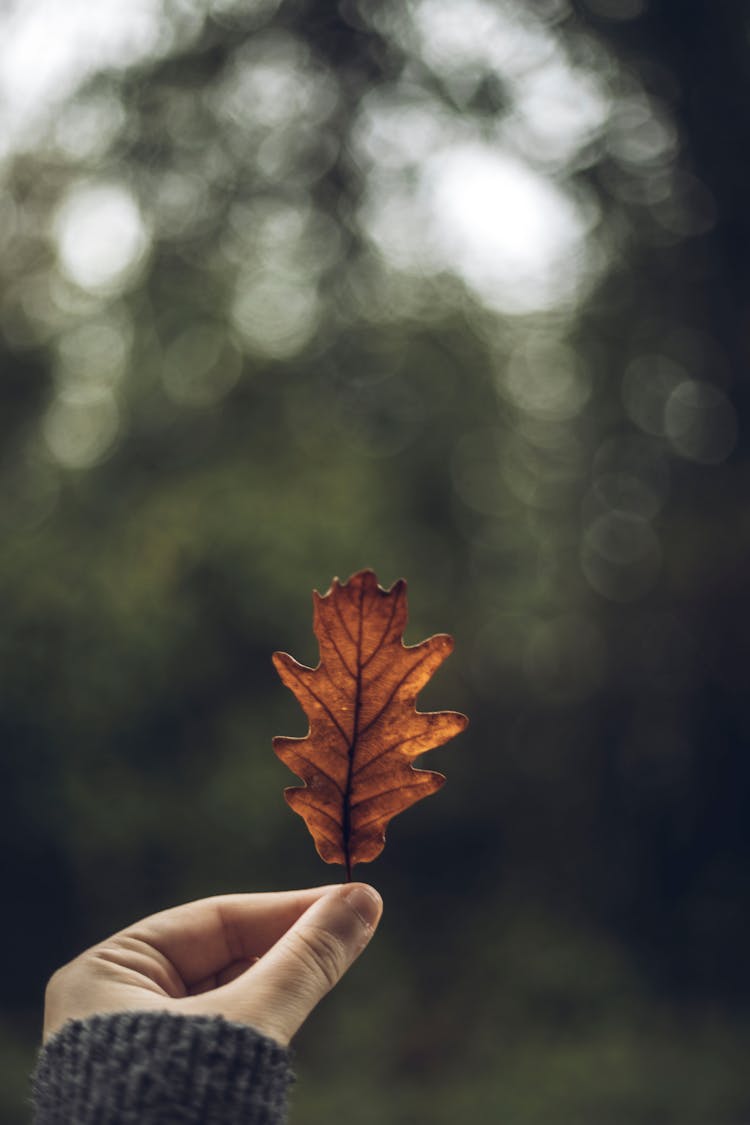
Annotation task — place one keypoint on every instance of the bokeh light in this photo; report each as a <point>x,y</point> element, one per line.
<point>700,422</point>
<point>81,426</point>
<point>101,236</point>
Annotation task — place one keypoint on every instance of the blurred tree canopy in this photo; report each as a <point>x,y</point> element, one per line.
<point>458,290</point>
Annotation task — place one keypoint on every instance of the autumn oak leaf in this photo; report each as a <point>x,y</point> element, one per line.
<point>365,731</point>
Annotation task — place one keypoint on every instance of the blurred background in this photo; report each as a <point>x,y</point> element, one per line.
<point>453,289</point>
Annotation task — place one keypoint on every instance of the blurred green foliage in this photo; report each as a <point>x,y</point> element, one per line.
<point>457,292</point>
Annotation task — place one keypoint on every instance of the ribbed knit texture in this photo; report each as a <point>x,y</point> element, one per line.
<point>152,1068</point>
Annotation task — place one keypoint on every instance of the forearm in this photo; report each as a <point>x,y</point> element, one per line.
<point>152,1067</point>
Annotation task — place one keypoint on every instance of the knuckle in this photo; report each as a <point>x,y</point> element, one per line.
<point>54,985</point>
<point>322,953</point>
<point>59,981</point>
<point>61,987</point>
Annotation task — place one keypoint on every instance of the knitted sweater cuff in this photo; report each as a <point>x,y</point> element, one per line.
<point>156,1067</point>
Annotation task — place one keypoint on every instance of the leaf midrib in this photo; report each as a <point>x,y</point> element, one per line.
<point>346,814</point>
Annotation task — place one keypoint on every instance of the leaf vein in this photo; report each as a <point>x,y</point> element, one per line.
<point>381,754</point>
<point>386,631</point>
<point>344,625</point>
<point>383,793</point>
<point>323,704</point>
<point>391,696</point>
<point>318,769</point>
<point>338,651</point>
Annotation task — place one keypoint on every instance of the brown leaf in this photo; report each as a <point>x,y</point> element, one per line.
<point>365,730</point>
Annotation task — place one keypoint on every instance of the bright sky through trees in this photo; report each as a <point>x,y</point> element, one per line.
<point>489,209</point>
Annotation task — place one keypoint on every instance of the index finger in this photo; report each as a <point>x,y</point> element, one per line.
<point>201,938</point>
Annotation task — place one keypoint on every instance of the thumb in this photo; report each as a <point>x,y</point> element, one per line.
<point>282,988</point>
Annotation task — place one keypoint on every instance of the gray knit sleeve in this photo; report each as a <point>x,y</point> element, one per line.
<point>155,1068</point>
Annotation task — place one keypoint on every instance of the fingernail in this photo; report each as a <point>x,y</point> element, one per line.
<point>364,901</point>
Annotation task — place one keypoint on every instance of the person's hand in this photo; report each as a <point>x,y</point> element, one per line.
<point>262,959</point>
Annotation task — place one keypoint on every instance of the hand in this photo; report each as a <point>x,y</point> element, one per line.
<point>262,959</point>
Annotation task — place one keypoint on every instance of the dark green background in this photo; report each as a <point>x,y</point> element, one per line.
<point>565,927</point>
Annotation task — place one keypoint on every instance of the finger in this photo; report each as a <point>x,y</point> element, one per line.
<point>202,938</point>
<point>278,993</point>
